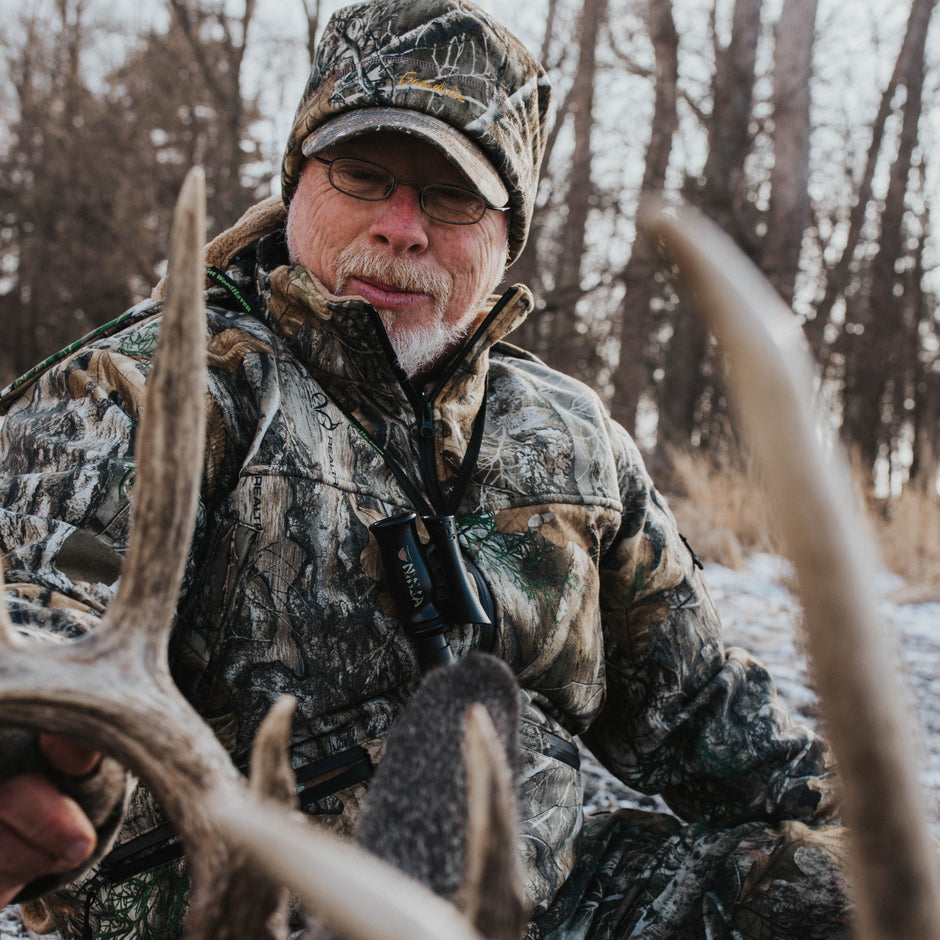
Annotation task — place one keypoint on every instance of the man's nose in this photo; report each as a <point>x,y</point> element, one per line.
<point>400,223</point>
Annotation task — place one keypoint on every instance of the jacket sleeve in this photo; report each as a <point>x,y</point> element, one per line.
<point>684,717</point>
<point>66,471</point>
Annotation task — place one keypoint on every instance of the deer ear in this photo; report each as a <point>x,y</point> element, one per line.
<point>491,895</point>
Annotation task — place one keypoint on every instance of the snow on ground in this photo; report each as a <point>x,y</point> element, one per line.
<point>760,613</point>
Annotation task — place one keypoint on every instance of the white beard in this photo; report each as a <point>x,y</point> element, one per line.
<point>422,346</point>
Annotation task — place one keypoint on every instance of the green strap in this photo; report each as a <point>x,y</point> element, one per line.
<point>136,313</point>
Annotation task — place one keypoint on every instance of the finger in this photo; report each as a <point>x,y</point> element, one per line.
<point>9,893</point>
<point>41,830</point>
<point>68,756</point>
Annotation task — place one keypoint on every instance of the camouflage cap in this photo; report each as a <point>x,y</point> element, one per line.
<point>441,70</point>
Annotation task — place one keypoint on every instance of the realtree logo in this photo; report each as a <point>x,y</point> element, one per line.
<point>440,88</point>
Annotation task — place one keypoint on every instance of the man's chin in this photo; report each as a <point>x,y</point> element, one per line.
<point>423,348</point>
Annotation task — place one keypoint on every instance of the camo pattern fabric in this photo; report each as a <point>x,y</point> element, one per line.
<point>600,609</point>
<point>645,876</point>
<point>445,58</point>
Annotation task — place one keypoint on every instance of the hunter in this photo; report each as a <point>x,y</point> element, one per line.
<point>361,374</point>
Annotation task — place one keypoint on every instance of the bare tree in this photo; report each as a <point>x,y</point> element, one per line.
<point>788,212</point>
<point>572,341</point>
<point>536,332</point>
<point>883,309</point>
<point>839,274</point>
<point>312,16</point>
<point>642,271</point>
<point>690,399</point>
<point>222,75</point>
<point>60,182</point>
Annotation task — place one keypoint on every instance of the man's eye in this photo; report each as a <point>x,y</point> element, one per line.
<point>365,175</point>
<point>455,195</point>
<point>360,175</point>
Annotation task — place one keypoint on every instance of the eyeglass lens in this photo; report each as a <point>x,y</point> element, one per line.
<point>364,180</point>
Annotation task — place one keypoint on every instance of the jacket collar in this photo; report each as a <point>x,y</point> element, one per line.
<point>343,344</point>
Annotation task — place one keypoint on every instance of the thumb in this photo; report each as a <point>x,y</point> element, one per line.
<point>67,756</point>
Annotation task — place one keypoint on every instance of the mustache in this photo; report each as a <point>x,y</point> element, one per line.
<point>398,273</point>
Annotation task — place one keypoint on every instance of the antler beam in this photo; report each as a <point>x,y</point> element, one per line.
<point>895,870</point>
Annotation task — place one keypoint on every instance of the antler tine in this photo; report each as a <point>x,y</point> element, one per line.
<point>492,895</point>
<point>896,875</point>
<point>126,655</point>
<point>112,688</point>
<point>169,453</point>
<point>358,895</point>
<point>251,901</point>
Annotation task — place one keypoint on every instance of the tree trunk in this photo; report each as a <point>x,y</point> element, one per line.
<point>572,340</point>
<point>722,187</point>
<point>225,85</point>
<point>535,332</point>
<point>877,351</point>
<point>788,212</point>
<point>312,16</point>
<point>643,270</point>
<point>840,274</point>
<point>691,379</point>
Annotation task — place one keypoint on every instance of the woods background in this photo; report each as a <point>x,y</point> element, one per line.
<point>805,128</point>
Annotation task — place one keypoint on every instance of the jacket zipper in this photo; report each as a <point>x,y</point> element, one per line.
<point>427,456</point>
<point>423,406</point>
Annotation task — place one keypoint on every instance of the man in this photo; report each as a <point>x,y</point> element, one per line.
<point>358,372</point>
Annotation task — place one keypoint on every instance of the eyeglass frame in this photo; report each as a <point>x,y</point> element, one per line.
<point>419,189</point>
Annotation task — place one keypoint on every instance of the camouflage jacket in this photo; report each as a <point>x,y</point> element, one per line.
<point>600,608</point>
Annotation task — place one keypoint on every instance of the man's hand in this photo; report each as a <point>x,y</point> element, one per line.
<point>42,831</point>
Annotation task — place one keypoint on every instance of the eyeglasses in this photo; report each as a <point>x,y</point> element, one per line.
<point>441,201</point>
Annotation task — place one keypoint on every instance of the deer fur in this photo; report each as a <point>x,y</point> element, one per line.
<point>441,807</point>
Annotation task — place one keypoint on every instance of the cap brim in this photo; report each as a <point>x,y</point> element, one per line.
<point>459,149</point>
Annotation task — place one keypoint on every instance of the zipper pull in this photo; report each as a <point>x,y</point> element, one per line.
<point>426,428</point>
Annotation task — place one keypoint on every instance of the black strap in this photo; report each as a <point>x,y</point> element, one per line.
<point>557,747</point>
<point>146,852</point>
<point>161,845</point>
<point>536,738</point>
<point>328,776</point>
<point>461,484</point>
<point>223,280</point>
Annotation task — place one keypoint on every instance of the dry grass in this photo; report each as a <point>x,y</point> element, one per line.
<point>721,509</point>
<point>908,532</point>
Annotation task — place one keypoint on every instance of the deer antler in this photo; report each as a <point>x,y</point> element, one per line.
<point>107,687</point>
<point>112,687</point>
<point>895,871</point>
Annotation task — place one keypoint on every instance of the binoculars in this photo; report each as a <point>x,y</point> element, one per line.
<point>431,584</point>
